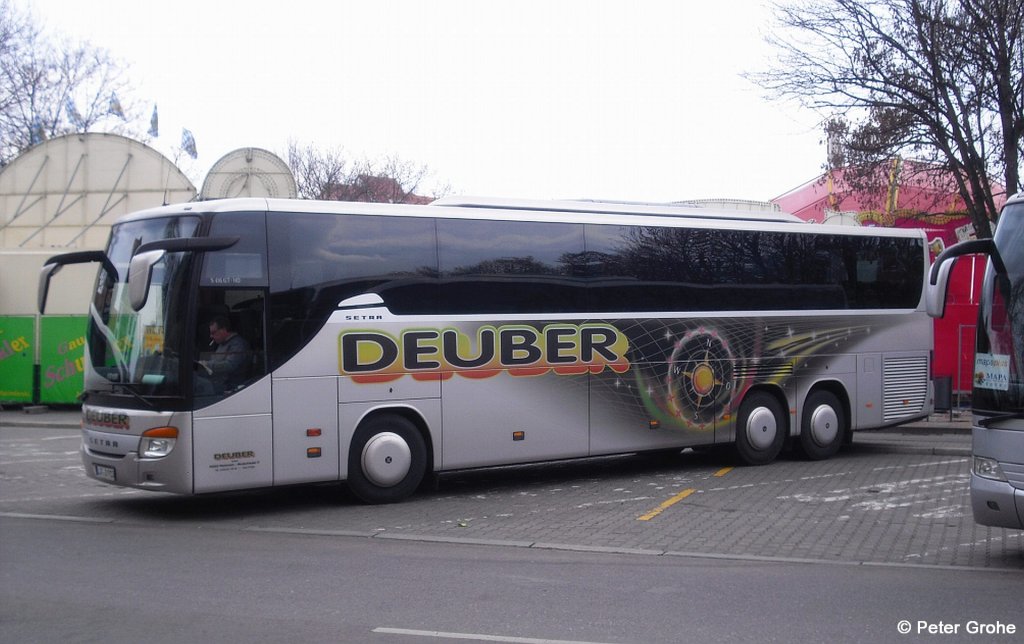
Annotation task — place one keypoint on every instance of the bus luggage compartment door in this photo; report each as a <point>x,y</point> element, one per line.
<point>232,441</point>
<point>305,430</point>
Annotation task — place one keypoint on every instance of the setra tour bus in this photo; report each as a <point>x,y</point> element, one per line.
<point>997,399</point>
<point>381,344</point>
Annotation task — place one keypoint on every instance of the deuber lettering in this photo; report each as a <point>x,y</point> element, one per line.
<point>520,350</point>
<point>113,420</point>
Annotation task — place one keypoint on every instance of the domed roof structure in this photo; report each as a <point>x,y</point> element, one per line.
<point>249,172</point>
<point>67,191</point>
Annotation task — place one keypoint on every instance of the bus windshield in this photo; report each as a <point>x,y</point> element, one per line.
<point>131,352</point>
<point>999,362</point>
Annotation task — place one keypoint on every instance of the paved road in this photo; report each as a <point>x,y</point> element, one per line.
<point>628,549</point>
<point>185,581</point>
<point>870,505</point>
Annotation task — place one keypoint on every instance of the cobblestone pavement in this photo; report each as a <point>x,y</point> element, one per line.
<point>876,503</point>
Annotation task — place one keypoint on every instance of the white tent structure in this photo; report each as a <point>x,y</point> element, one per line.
<point>62,195</point>
<point>249,172</point>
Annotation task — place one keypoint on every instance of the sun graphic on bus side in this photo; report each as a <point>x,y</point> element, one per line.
<point>700,378</point>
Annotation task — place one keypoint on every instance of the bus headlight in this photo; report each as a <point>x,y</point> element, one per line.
<point>988,468</point>
<point>157,442</point>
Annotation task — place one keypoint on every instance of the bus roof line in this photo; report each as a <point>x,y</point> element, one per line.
<point>616,208</point>
<point>439,209</point>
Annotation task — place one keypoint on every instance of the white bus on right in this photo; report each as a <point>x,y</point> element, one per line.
<point>997,470</point>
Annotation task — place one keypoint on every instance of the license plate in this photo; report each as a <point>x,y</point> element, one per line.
<point>104,472</point>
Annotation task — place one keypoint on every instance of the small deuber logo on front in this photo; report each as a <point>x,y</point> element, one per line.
<point>234,461</point>
<point>113,420</point>
<point>233,456</point>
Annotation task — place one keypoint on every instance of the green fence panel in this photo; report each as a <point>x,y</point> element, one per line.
<point>61,358</point>
<point>17,357</point>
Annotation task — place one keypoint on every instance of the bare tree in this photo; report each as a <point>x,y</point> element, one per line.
<point>317,171</point>
<point>397,181</point>
<point>941,81</point>
<point>53,87</point>
<point>329,174</point>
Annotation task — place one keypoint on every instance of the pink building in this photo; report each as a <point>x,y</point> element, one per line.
<point>911,196</point>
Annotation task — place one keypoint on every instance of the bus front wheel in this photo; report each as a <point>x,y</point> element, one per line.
<point>387,459</point>
<point>822,427</point>
<point>760,429</point>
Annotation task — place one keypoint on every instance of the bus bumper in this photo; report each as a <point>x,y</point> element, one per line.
<point>129,470</point>
<point>997,483</point>
<point>996,503</point>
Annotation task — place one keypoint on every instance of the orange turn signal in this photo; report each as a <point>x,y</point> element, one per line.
<point>161,432</point>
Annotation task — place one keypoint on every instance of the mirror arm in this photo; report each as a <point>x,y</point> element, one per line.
<point>55,263</point>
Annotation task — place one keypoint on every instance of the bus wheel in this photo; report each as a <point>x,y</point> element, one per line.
<point>822,427</point>
<point>760,429</point>
<point>387,459</point>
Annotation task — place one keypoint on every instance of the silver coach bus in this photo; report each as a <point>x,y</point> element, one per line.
<point>378,344</point>
<point>997,472</point>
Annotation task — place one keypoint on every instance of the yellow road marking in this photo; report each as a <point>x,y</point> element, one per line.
<point>666,504</point>
<point>677,498</point>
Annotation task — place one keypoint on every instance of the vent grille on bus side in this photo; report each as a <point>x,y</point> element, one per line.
<point>905,387</point>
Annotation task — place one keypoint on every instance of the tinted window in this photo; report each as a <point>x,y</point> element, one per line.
<point>232,290</point>
<point>650,268</point>
<point>317,261</point>
<point>462,266</point>
<point>878,273</point>
<point>245,263</point>
<point>1001,327</point>
<point>510,267</point>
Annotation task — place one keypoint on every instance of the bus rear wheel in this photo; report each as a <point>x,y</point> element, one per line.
<point>760,429</point>
<point>822,427</point>
<point>387,459</point>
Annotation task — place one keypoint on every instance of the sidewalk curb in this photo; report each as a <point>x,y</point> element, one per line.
<point>43,424</point>
<point>944,450</point>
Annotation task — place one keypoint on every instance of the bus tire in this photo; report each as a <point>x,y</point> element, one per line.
<point>760,429</point>
<point>822,426</point>
<point>387,459</point>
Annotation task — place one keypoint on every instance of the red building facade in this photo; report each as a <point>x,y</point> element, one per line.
<point>912,196</point>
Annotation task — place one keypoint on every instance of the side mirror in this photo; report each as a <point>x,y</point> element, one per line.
<point>140,275</point>
<point>938,276</point>
<point>55,263</point>
<point>140,269</point>
<point>935,291</point>
<point>45,273</point>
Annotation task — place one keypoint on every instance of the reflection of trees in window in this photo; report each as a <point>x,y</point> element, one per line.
<point>585,264</point>
<point>767,269</point>
<point>479,248</point>
<point>660,254</point>
<point>508,266</point>
<point>1016,330</point>
<point>700,256</point>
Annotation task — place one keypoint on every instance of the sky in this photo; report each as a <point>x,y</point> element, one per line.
<point>637,100</point>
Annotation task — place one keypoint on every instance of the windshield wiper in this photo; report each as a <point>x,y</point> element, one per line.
<point>989,421</point>
<point>108,335</point>
<point>131,389</point>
